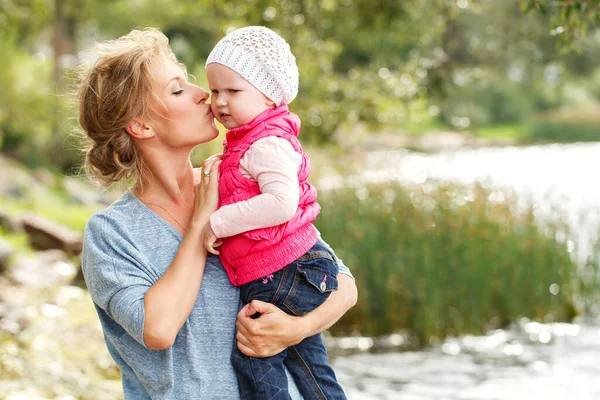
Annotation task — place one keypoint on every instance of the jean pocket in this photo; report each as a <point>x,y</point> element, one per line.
<point>314,281</point>
<point>323,280</point>
<point>319,268</point>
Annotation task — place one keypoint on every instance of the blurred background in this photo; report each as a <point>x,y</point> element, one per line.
<point>455,145</point>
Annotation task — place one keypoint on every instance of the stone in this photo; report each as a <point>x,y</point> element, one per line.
<point>6,252</point>
<point>45,234</point>
<point>50,268</point>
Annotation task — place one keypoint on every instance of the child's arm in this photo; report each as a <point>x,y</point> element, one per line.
<point>273,163</point>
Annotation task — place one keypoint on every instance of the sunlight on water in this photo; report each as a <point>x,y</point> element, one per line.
<point>528,361</point>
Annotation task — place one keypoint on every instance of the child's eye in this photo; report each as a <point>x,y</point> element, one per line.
<point>214,91</point>
<point>178,92</point>
<point>233,90</point>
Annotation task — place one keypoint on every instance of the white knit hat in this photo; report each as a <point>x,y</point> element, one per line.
<point>263,58</point>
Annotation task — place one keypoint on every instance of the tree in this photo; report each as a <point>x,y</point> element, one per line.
<point>571,19</point>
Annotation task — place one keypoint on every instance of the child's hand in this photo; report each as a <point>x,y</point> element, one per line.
<point>211,240</point>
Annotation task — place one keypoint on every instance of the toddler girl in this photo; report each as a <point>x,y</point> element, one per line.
<point>263,227</point>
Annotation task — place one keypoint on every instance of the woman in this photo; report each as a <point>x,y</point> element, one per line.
<point>167,310</point>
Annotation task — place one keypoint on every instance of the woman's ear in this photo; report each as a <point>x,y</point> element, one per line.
<point>139,129</point>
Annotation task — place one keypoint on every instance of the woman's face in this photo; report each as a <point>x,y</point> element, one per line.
<point>180,116</point>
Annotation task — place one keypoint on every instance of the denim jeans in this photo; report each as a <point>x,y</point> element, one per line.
<point>297,289</point>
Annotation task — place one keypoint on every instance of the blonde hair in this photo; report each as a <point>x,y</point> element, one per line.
<point>112,92</point>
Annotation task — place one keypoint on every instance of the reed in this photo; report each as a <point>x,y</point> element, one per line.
<point>445,260</point>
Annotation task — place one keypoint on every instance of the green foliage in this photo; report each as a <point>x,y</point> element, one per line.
<point>24,107</point>
<point>386,65</point>
<point>571,19</point>
<point>446,260</point>
<point>488,102</point>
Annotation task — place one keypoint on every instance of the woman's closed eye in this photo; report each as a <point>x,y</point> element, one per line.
<point>178,92</point>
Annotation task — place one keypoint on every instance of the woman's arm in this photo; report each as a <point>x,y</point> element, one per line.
<point>275,330</point>
<point>169,302</point>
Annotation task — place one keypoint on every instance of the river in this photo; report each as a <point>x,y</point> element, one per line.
<point>527,361</point>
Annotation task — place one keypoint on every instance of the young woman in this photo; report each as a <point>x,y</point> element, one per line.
<point>167,309</point>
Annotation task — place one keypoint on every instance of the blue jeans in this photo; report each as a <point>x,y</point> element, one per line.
<point>297,289</point>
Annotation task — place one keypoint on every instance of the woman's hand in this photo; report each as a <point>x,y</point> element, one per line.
<point>271,333</point>
<point>275,330</point>
<point>207,189</point>
<point>211,241</point>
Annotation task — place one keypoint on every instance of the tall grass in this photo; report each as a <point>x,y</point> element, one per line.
<point>566,125</point>
<point>447,260</point>
<point>563,132</point>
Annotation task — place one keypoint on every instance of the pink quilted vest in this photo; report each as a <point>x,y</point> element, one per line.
<point>260,252</point>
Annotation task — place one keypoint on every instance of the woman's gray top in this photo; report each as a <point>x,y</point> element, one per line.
<point>127,248</point>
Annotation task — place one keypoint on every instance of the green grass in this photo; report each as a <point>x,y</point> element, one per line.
<point>557,132</point>
<point>45,196</point>
<point>512,131</point>
<point>19,241</point>
<point>543,131</point>
<point>447,261</point>
<point>426,125</point>
<point>54,207</point>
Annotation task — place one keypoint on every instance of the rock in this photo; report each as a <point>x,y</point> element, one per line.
<point>45,234</point>
<point>83,193</point>
<point>49,268</point>
<point>6,252</point>
<point>44,176</point>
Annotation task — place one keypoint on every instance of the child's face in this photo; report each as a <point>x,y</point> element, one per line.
<point>234,101</point>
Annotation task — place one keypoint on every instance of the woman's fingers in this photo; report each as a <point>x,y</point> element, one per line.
<point>246,350</point>
<point>207,190</point>
<point>210,161</point>
<point>250,345</point>
<point>267,335</point>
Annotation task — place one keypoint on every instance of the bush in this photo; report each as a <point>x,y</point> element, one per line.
<point>489,102</point>
<point>34,127</point>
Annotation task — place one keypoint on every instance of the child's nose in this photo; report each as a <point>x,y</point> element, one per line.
<point>221,100</point>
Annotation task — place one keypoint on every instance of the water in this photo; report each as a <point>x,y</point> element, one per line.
<point>530,360</point>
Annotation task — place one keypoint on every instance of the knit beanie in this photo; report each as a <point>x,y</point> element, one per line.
<point>263,58</point>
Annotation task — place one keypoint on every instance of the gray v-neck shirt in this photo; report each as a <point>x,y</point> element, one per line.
<point>127,248</point>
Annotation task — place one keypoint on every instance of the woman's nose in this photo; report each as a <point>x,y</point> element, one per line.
<point>202,96</point>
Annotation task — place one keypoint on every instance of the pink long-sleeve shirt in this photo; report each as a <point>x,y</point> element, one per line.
<point>273,163</point>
